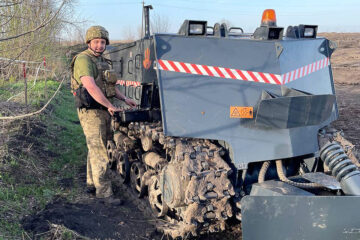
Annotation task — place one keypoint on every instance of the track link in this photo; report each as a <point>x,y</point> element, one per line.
<point>186,180</point>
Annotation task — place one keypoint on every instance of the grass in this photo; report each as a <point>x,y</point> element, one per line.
<point>29,179</point>
<point>70,138</point>
<point>36,93</point>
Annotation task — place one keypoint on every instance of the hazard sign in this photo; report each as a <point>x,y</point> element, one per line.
<point>241,112</point>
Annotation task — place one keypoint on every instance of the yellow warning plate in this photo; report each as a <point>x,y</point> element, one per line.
<point>241,112</point>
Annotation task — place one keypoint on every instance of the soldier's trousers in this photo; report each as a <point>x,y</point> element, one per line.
<point>96,127</point>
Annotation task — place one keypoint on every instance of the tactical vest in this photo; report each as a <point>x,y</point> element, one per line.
<point>105,80</point>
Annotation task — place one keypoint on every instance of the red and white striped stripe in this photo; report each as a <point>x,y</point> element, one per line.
<point>221,72</point>
<point>305,70</point>
<point>128,83</point>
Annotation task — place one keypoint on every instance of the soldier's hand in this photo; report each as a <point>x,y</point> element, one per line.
<point>113,109</point>
<point>130,102</point>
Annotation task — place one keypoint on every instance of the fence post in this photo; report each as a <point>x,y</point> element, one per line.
<point>26,96</point>
<point>45,87</point>
<point>25,84</point>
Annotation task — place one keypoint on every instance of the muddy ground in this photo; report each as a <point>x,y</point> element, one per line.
<point>93,219</point>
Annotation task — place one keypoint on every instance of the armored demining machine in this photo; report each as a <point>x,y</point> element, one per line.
<point>232,125</point>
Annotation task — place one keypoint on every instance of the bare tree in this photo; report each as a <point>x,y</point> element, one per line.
<point>46,21</point>
<point>128,34</point>
<point>160,24</point>
<point>31,29</point>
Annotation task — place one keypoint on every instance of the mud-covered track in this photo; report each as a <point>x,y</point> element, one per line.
<point>184,181</point>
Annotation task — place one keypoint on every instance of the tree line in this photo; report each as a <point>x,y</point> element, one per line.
<point>31,30</point>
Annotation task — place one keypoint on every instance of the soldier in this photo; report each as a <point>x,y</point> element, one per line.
<point>93,85</point>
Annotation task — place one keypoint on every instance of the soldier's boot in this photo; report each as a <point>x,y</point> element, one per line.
<point>90,190</point>
<point>112,201</point>
<point>90,187</point>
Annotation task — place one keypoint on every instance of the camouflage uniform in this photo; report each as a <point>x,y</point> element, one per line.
<point>96,126</point>
<point>94,121</point>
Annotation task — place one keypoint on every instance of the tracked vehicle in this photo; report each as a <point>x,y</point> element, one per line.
<point>236,125</point>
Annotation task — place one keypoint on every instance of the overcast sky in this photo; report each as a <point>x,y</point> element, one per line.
<point>118,16</point>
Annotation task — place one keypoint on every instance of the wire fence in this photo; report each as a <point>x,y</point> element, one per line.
<point>28,74</point>
<point>38,111</point>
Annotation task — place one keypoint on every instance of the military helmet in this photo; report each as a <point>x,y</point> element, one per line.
<point>96,32</point>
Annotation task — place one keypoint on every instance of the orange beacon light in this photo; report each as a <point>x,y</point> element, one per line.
<point>268,18</point>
